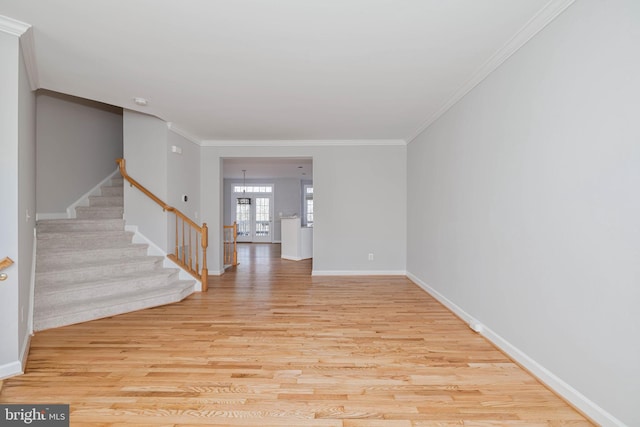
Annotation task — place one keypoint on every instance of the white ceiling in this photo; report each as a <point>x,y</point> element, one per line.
<point>276,69</point>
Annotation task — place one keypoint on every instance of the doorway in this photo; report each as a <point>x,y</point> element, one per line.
<point>253,212</point>
<point>259,191</point>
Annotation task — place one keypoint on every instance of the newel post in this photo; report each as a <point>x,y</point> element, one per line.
<point>205,270</point>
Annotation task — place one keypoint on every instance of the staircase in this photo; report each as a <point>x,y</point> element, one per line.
<point>88,268</point>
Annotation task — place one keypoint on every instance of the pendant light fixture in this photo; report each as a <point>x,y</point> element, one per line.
<point>244,200</point>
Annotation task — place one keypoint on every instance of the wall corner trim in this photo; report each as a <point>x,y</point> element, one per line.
<point>183,133</point>
<point>29,53</point>
<point>302,142</point>
<point>573,396</point>
<point>13,26</point>
<point>536,24</point>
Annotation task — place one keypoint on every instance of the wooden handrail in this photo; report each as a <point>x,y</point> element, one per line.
<point>184,254</point>
<point>6,262</point>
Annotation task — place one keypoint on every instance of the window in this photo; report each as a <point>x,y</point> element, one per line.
<point>308,205</point>
<point>253,188</point>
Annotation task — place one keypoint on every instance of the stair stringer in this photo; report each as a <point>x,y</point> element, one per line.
<point>155,250</point>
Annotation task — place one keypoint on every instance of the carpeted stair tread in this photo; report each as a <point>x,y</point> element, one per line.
<point>142,276</point>
<point>61,225</point>
<point>67,314</point>
<point>106,201</point>
<point>113,265</point>
<point>53,257</point>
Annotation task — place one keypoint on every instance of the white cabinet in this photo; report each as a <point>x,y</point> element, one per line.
<point>297,241</point>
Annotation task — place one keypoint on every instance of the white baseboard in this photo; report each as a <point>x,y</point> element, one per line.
<point>11,369</point>
<point>580,401</point>
<point>292,258</point>
<point>358,273</point>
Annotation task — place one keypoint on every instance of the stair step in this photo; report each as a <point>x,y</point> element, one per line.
<point>63,293</point>
<point>106,201</point>
<point>117,180</point>
<point>100,212</point>
<point>98,269</point>
<point>62,225</point>
<point>56,259</point>
<point>112,190</point>
<point>67,314</point>
<point>83,240</point>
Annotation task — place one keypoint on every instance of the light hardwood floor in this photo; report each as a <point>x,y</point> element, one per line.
<point>269,345</point>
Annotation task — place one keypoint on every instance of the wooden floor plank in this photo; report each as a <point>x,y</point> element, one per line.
<point>270,345</point>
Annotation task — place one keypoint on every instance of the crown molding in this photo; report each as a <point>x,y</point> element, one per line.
<point>29,55</point>
<point>25,33</point>
<point>536,24</point>
<point>303,143</point>
<point>13,26</point>
<point>183,133</point>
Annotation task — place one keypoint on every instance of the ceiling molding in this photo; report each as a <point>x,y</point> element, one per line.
<point>29,55</point>
<point>13,26</point>
<point>545,16</point>
<point>302,143</point>
<point>183,133</point>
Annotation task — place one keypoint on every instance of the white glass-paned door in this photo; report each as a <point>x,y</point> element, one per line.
<point>253,212</point>
<point>263,220</point>
<point>243,218</point>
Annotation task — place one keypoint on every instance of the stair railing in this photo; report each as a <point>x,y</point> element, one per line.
<point>192,239</point>
<point>230,244</point>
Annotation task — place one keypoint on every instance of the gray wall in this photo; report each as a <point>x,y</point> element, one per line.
<point>17,175</point>
<point>286,200</point>
<point>26,201</point>
<point>183,174</point>
<point>145,152</point>
<point>524,206</point>
<point>360,194</point>
<point>78,143</point>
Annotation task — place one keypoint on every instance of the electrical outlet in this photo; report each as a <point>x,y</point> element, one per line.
<point>371,257</point>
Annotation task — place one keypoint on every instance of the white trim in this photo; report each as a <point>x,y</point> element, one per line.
<point>13,26</point>
<point>301,143</point>
<point>183,133</point>
<point>292,258</point>
<point>155,250</point>
<point>526,33</point>
<point>10,369</point>
<point>51,215</point>
<point>84,199</point>
<point>580,401</point>
<point>24,352</point>
<point>29,55</point>
<point>32,285</point>
<point>358,273</point>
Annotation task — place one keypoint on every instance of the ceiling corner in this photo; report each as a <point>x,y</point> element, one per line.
<point>536,24</point>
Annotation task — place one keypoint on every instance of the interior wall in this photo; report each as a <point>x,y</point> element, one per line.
<point>9,235</point>
<point>78,142</point>
<point>145,152</point>
<point>26,202</point>
<point>360,204</point>
<point>183,175</point>
<point>17,175</point>
<point>524,205</point>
